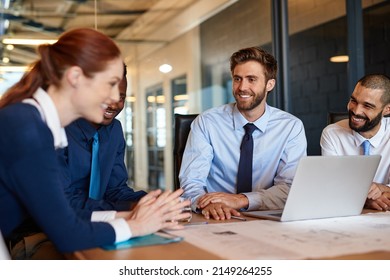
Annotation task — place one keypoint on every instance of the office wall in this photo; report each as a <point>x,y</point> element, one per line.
<point>245,23</point>
<point>376,31</point>
<point>318,85</point>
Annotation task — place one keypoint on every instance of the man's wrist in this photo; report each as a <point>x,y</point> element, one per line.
<point>384,188</point>
<point>244,201</point>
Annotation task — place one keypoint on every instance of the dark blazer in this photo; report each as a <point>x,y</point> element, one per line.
<point>30,184</point>
<point>75,161</point>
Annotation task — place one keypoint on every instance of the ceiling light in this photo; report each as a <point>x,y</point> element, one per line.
<point>5,59</point>
<point>130,98</point>
<point>156,99</point>
<point>9,47</point>
<point>339,58</point>
<point>6,23</point>
<point>165,68</point>
<point>17,41</point>
<point>14,68</point>
<point>180,97</point>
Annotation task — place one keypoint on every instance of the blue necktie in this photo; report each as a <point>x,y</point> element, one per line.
<point>244,174</point>
<point>94,184</point>
<point>366,147</point>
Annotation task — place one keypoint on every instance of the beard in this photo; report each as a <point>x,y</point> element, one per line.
<point>248,106</point>
<point>368,125</point>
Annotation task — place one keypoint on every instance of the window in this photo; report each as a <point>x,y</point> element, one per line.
<point>156,136</point>
<point>179,95</point>
<point>129,136</point>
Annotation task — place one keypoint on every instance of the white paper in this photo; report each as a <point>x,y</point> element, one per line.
<point>322,238</point>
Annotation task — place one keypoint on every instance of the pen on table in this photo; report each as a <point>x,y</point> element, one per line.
<point>194,224</point>
<point>238,218</point>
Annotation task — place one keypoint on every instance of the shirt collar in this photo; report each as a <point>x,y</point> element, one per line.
<point>375,140</point>
<point>45,105</point>
<point>89,130</point>
<point>239,120</point>
<point>86,128</point>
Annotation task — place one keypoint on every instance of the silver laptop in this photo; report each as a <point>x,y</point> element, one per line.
<point>326,187</point>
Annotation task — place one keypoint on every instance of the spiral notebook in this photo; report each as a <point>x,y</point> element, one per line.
<point>326,187</point>
<point>157,238</point>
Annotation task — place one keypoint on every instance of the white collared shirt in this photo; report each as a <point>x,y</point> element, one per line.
<point>340,139</point>
<point>45,105</point>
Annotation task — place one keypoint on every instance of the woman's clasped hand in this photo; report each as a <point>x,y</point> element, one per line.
<point>158,210</point>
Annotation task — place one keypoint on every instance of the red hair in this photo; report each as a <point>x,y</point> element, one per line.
<point>84,47</point>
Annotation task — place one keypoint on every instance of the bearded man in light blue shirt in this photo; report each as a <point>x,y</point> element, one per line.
<point>209,168</point>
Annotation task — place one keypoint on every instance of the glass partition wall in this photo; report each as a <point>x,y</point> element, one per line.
<point>155,136</point>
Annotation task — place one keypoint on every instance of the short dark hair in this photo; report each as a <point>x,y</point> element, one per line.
<point>256,54</point>
<point>377,81</point>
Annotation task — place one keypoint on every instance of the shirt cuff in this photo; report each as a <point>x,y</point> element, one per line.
<point>253,202</point>
<point>102,216</point>
<point>122,229</point>
<point>194,204</point>
<point>194,208</point>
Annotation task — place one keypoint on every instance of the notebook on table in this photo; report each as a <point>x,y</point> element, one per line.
<point>326,187</point>
<point>157,238</point>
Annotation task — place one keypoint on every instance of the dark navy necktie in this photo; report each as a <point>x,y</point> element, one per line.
<point>94,184</point>
<point>366,147</point>
<point>244,174</point>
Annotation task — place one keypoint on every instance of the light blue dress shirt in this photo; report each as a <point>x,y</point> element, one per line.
<point>210,160</point>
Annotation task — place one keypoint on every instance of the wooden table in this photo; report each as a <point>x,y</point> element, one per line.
<point>186,251</point>
<point>174,251</point>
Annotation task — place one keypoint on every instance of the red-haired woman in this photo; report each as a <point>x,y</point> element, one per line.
<point>76,77</point>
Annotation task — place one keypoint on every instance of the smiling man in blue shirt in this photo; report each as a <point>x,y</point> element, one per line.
<point>76,163</point>
<point>209,169</point>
